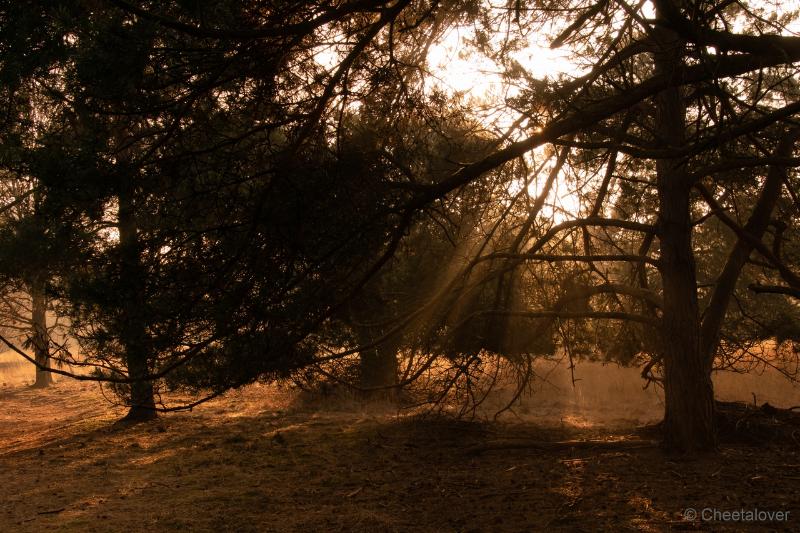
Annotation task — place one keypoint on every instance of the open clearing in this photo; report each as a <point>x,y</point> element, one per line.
<point>259,459</point>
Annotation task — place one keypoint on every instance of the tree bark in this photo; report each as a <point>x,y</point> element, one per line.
<point>377,365</point>
<point>689,394</point>
<point>378,369</point>
<point>133,334</point>
<point>40,337</point>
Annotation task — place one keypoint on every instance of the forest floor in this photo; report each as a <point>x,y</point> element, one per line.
<point>259,459</point>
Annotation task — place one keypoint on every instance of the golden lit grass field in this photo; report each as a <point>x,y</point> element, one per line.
<point>14,370</point>
<point>260,459</point>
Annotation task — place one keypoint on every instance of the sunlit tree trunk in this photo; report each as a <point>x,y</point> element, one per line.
<point>40,338</point>
<point>134,334</point>
<point>689,394</point>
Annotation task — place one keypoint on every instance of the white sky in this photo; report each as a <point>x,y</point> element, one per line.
<point>477,79</point>
<point>473,75</point>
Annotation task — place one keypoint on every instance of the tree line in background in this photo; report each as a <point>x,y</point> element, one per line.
<point>208,199</point>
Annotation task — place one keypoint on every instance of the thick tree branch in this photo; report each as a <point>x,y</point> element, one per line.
<point>756,226</point>
<point>598,110</point>
<point>775,289</point>
<point>552,258</point>
<point>570,315</point>
<point>786,273</point>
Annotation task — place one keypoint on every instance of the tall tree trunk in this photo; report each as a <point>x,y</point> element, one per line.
<point>40,337</point>
<point>689,393</point>
<point>378,368</point>
<point>133,331</point>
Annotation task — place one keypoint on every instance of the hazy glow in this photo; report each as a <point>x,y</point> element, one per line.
<point>561,203</point>
<point>461,70</point>
<point>458,70</point>
<point>328,57</point>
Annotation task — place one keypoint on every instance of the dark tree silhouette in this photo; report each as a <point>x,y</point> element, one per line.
<point>215,144</point>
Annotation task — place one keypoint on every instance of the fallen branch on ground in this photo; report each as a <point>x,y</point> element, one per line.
<point>563,445</point>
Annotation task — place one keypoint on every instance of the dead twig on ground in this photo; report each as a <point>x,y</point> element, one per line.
<point>562,445</point>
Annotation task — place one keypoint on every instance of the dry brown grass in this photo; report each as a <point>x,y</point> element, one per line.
<point>256,461</point>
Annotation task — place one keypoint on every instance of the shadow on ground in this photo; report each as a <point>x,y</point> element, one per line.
<point>250,462</point>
